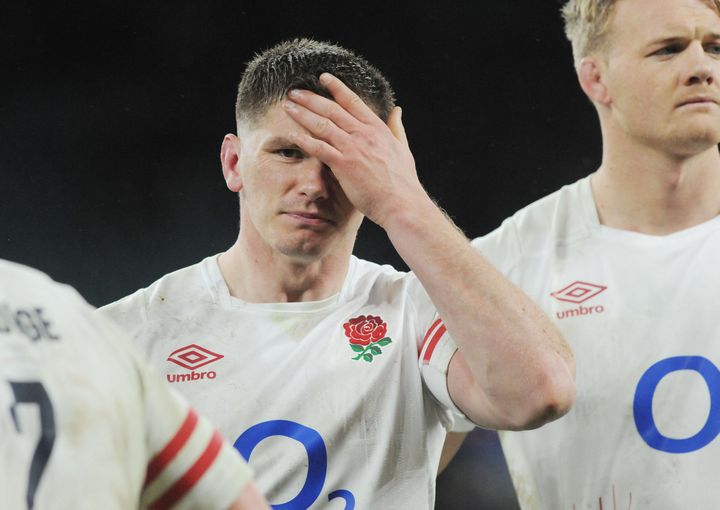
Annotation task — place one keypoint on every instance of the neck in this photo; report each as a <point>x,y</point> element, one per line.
<point>645,190</point>
<point>259,274</point>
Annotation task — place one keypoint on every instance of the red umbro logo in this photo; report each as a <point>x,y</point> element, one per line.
<point>193,357</point>
<point>578,292</point>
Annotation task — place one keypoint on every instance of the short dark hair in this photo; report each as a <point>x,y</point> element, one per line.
<point>298,64</point>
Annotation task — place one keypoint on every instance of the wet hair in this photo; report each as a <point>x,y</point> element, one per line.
<point>587,22</point>
<point>298,63</point>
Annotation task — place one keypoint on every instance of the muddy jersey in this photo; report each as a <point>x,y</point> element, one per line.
<point>339,403</point>
<point>642,314</point>
<point>84,424</point>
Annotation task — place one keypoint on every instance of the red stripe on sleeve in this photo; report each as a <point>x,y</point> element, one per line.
<point>427,335</point>
<point>191,476</point>
<point>433,343</point>
<point>167,454</point>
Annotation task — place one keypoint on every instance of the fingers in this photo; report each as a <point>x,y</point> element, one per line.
<point>319,126</point>
<point>348,99</point>
<point>396,126</point>
<point>325,108</point>
<point>317,148</point>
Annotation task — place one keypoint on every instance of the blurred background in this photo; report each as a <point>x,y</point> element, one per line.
<point>112,114</point>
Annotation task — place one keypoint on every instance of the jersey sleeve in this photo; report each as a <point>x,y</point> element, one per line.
<point>190,465</point>
<point>436,348</point>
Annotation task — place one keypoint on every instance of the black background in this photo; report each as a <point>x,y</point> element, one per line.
<point>112,114</point>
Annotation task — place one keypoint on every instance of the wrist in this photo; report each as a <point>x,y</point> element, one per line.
<point>409,214</point>
<point>425,223</point>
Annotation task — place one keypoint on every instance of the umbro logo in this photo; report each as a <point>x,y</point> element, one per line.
<point>579,292</point>
<point>193,357</point>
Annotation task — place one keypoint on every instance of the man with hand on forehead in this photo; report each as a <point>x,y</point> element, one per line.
<point>334,376</point>
<point>625,261</point>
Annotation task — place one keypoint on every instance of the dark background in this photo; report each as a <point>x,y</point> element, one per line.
<point>111,118</point>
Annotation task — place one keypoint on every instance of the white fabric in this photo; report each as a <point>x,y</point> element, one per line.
<point>69,380</point>
<point>291,365</point>
<point>639,300</point>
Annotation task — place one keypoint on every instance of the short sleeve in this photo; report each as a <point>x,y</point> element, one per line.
<point>436,348</point>
<point>190,465</point>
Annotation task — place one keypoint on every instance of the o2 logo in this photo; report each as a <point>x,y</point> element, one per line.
<point>645,391</point>
<point>317,460</point>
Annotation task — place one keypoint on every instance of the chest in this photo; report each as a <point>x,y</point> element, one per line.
<point>244,368</point>
<point>644,325</point>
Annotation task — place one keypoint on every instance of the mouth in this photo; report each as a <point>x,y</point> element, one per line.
<point>699,100</point>
<point>309,219</point>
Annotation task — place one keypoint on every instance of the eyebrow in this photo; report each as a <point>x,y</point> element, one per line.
<point>662,41</point>
<point>681,38</point>
<point>280,141</point>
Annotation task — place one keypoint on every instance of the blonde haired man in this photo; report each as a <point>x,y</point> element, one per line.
<point>623,261</point>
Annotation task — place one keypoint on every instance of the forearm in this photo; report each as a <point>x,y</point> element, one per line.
<point>513,368</point>
<point>517,357</point>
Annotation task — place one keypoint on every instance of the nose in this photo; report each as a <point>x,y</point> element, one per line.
<point>703,68</point>
<point>314,180</point>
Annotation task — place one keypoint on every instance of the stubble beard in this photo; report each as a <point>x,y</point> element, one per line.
<point>696,140</point>
<point>305,247</point>
<point>684,140</point>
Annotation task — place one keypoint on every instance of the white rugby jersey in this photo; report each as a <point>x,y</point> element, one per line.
<point>642,314</point>
<point>327,399</point>
<point>85,425</point>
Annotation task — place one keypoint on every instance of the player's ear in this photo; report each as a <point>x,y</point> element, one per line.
<point>396,126</point>
<point>590,75</point>
<point>230,159</point>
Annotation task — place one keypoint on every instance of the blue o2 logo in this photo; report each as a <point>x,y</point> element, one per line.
<point>317,460</point>
<point>645,391</point>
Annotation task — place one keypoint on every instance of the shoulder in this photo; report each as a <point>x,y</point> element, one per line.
<point>385,284</point>
<point>18,278</point>
<point>171,290</point>
<point>366,269</point>
<point>554,219</point>
<point>23,286</point>
<point>58,313</point>
<point>366,277</point>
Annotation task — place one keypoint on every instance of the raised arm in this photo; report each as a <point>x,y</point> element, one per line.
<point>513,369</point>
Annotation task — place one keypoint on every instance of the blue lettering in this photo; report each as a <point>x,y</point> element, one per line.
<point>346,495</point>
<point>645,391</point>
<point>317,460</point>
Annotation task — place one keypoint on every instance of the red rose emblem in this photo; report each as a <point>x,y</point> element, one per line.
<point>366,334</point>
<point>365,329</point>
